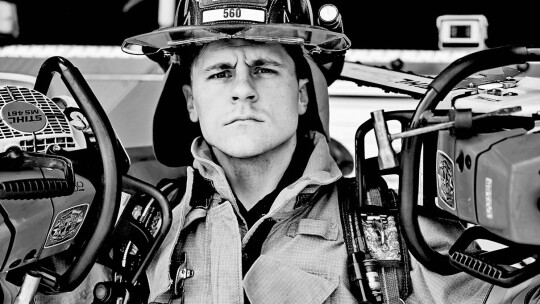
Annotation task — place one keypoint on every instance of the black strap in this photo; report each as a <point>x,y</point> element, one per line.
<point>352,234</point>
<point>362,265</point>
<point>176,187</point>
<point>203,189</point>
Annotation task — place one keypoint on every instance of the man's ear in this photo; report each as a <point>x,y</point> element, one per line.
<point>188,94</point>
<point>303,98</point>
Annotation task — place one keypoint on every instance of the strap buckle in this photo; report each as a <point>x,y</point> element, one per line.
<point>382,238</point>
<point>182,274</point>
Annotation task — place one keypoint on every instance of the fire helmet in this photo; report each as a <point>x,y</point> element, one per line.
<point>198,22</point>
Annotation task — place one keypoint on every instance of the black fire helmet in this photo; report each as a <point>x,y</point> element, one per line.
<point>197,22</point>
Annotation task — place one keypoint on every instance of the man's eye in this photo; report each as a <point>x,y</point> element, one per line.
<point>224,74</point>
<point>264,71</point>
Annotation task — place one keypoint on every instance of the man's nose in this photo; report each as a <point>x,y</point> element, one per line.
<point>244,88</point>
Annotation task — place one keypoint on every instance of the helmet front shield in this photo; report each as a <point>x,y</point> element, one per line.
<point>314,39</point>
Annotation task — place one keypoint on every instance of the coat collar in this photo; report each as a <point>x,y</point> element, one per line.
<point>321,169</point>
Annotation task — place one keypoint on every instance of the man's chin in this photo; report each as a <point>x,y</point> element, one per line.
<point>246,147</point>
<point>243,153</point>
<point>243,149</point>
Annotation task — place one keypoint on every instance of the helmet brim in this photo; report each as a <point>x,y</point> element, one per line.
<point>313,38</point>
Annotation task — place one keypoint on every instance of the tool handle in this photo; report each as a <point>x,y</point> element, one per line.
<point>387,155</point>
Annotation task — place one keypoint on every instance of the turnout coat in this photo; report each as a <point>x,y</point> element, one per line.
<point>302,258</point>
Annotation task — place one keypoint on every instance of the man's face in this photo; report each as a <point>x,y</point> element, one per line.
<point>245,96</point>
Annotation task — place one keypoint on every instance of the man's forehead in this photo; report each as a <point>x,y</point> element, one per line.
<point>233,49</point>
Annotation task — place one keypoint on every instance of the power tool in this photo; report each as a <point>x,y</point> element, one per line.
<point>470,152</point>
<point>63,185</point>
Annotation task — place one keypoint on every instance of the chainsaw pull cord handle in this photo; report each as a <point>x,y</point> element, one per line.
<point>411,146</point>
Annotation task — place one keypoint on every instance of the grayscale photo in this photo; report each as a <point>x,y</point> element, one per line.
<point>269,152</point>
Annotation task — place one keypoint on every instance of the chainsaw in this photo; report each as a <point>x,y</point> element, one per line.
<point>468,152</point>
<point>65,194</point>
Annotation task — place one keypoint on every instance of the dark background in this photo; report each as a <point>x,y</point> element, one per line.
<point>369,24</point>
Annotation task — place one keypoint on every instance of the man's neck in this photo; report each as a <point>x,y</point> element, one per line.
<point>253,178</point>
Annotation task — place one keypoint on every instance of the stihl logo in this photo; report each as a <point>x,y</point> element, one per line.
<point>414,83</point>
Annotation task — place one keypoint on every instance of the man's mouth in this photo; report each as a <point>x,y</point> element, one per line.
<point>243,119</point>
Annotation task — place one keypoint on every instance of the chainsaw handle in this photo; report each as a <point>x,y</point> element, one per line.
<point>112,168</point>
<point>36,188</point>
<point>411,146</point>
